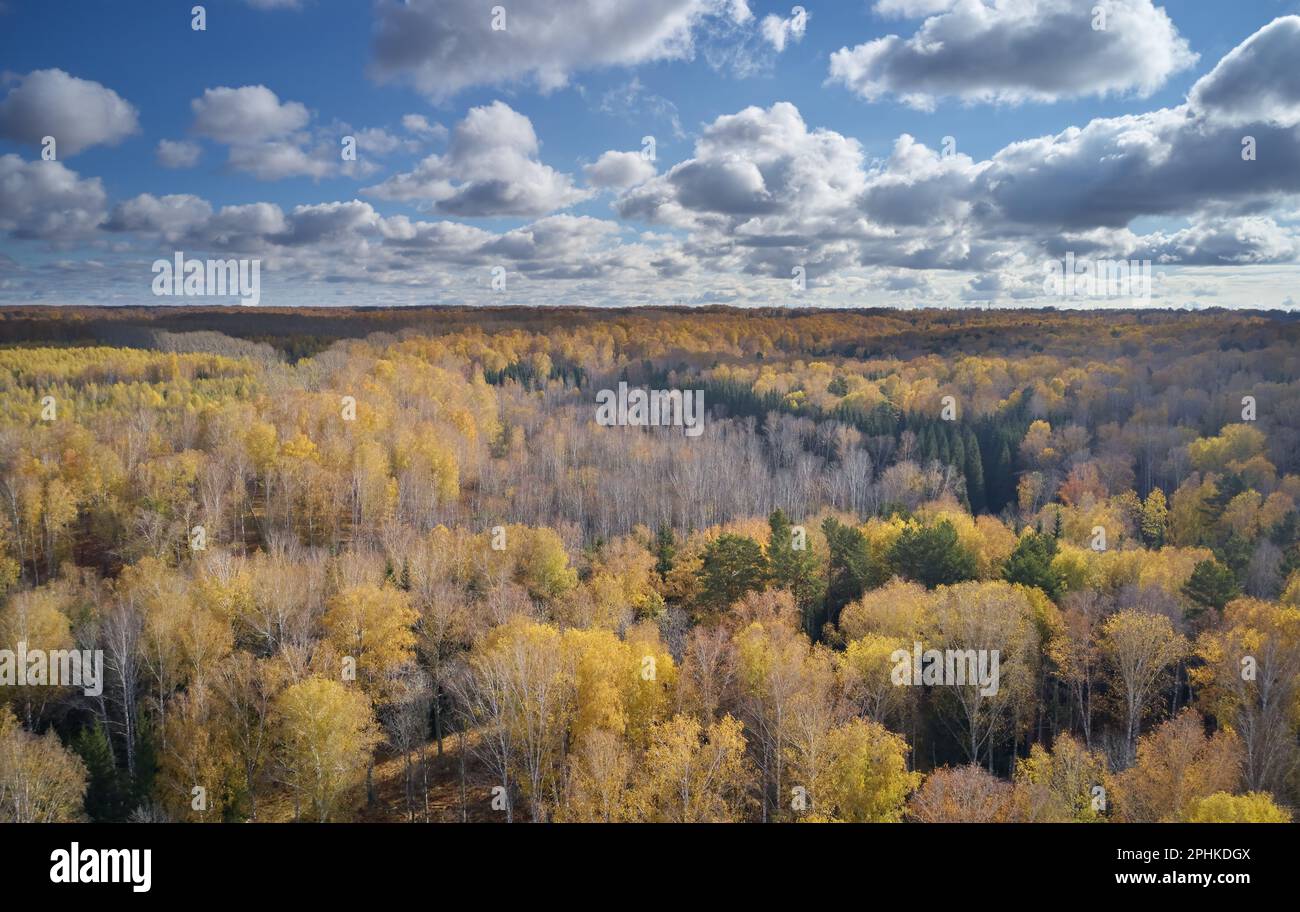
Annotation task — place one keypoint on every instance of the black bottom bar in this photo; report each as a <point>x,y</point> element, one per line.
<point>370,862</point>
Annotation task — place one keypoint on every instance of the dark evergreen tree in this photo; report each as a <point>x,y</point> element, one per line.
<point>1235,553</point>
<point>1211,585</point>
<point>850,570</point>
<point>108,791</point>
<point>974,470</point>
<point>665,551</point>
<point>795,570</point>
<point>1030,564</point>
<point>932,555</point>
<point>1003,481</point>
<point>733,565</point>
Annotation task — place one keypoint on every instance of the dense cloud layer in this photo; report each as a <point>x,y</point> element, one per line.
<point>762,179</point>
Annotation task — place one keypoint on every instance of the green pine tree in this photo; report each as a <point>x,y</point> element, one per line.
<point>974,469</point>
<point>932,555</point>
<point>108,793</point>
<point>1030,564</point>
<point>850,571</point>
<point>665,551</point>
<point>1211,585</point>
<point>733,565</point>
<point>795,569</point>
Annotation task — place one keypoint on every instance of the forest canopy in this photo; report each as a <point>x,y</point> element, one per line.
<point>374,564</point>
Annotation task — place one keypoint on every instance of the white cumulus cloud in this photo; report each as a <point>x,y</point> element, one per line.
<point>490,168</point>
<point>78,113</point>
<point>1013,51</point>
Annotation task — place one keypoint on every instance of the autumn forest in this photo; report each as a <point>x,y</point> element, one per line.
<point>386,565</point>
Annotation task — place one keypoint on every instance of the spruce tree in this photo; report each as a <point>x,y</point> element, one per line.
<point>795,570</point>
<point>974,469</point>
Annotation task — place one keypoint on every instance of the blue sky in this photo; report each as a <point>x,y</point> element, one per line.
<point>814,176</point>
